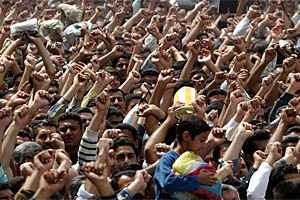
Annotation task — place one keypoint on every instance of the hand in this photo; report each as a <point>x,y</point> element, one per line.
<point>270,54</point>
<point>103,101</point>
<point>18,98</point>
<point>171,112</point>
<point>26,169</point>
<point>30,62</point>
<point>289,64</point>
<point>295,104</point>
<point>56,141</point>
<point>205,55</point>
<point>207,178</point>
<point>219,77</point>
<point>213,117</point>
<point>246,130</point>
<point>117,51</point>
<point>5,63</point>
<point>267,82</point>
<point>217,136</point>
<point>236,97</point>
<point>194,47</point>
<point>58,60</point>
<point>145,110</point>
<point>42,98</point>
<point>40,80</point>
<point>161,149</point>
<point>56,48</point>
<point>43,161</point>
<point>274,151</point>
<point>162,59</point>
<point>277,32</point>
<point>290,155</point>
<point>288,115</point>
<point>199,105</point>
<point>51,182</point>
<point>166,76</point>
<point>5,118</point>
<point>134,76</point>
<point>111,133</point>
<point>63,160</point>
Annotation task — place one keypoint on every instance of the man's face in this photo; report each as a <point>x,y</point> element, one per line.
<point>121,67</point>
<point>125,153</point>
<point>117,100</point>
<point>199,80</point>
<point>86,118</point>
<point>43,136</point>
<point>70,132</point>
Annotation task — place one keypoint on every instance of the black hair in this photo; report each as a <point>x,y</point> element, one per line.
<point>292,129</point>
<point>287,140</point>
<point>259,135</point>
<point>288,189</point>
<point>193,124</point>
<point>217,150</point>
<point>125,141</point>
<point>124,126</point>
<point>278,175</point>
<point>182,83</point>
<point>114,111</point>
<point>39,123</point>
<point>115,178</point>
<point>24,133</point>
<point>113,90</point>
<point>131,96</point>
<point>71,116</point>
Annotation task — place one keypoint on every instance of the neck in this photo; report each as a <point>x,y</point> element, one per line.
<point>180,148</point>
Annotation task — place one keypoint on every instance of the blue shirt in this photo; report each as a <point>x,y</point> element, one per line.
<point>166,181</point>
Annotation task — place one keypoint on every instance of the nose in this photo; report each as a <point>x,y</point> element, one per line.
<point>48,140</point>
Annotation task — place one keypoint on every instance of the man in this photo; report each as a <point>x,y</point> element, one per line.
<point>45,134</point>
<point>71,130</point>
<point>117,99</point>
<point>125,150</point>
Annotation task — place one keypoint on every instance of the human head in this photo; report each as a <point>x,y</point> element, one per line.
<point>117,99</point>
<point>25,153</point>
<point>42,131</point>
<point>288,189</point>
<point>229,192</point>
<point>114,116</point>
<point>257,142</point>
<point>23,136</point>
<point>281,173</point>
<point>71,130</point>
<point>125,150</point>
<point>192,133</point>
<point>127,130</point>
<point>131,100</point>
<point>53,87</point>
<point>198,75</point>
<point>86,115</point>
<point>216,95</point>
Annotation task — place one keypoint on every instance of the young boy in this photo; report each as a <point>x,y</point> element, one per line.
<point>191,134</point>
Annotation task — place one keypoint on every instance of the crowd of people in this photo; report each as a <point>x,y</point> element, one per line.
<point>149,99</point>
